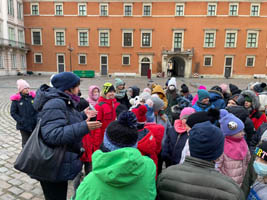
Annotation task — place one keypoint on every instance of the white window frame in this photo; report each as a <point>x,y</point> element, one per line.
<point>82,4</point>
<point>257,38</point>
<point>23,61</point>
<point>12,37</point>
<point>1,61</point>
<point>127,31</point>
<point>230,31</point>
<point>55,7</point>
<point>150,5</point>
<point>214,41</point>
<point>20,8</point>
<point>254,58</point>
<point>10,9</point>
<point>126,55</point>
<point>55,35</point>
<point>175,11</point>
<point>255,4</point>
<point>212,4</point>
<point>38,54</point>
<point>21,40</point>
<point>211,61</point>
<point>79,41</point>
<point>236,4</point>
<point>103,4</point>
<point>103,31</point>
<point>37,30</point>
<point>64,58</point>
<point>14,61</point>
<point>128,4</point>
<point>146,31</point>
<point>79,60</point>
<point>173,36</point>
<point>35,4</point>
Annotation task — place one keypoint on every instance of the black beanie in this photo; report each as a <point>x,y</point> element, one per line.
<point>259,87</point>
<point>65,80</point>
<point>184,88</point>
<point>120,108</point>
<point>122,132</point>
<point>234,89</point>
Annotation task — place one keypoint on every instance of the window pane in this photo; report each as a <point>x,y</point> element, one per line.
<point>209,40</point>
<point>207,61</point>
<point>178,40</point>
<point>146,39</point>
<point>128,10</point>
<point>82,9</point>
<point>250,62</point>
<point>59,10</point>
<point>127,39</point>
<point>1,61</point>
<point>126,60</point>
<point>35,10</point>
<point>60,38</point>
<point>36,37</point>
<point>233,10</point>
<point>147,10</point>
<point>82,59</point>
<point>252,39</point>
<point>103,39</point>
<point>83,39</point>
<point>38,58</point>
<point>61,59</point>
<point>103,10</point>
<point>254,10</point>
<point>230,40</point>
<point>228,61</point>
<point>211,10</point>
<point>179,10</point>
<point>104,60</point>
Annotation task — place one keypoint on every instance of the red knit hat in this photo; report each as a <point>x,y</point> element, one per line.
<point>140,113</point>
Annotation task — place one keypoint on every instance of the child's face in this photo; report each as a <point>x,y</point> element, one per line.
<point>239,135</point>
<point>231,103</point>
<point>258,159</point>
<point>110,95</point>
<point>130,93</point>
<point>95,92</point>
<point>120,87</point>
<point>247,104</point>
<point>205,101</point>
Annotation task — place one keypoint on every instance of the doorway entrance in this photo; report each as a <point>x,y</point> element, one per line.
<point>176,67</point>
<point>60,63</point>
<point>228,65</point>
<point>145,65</point>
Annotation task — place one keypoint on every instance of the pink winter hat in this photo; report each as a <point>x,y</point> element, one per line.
<point>186,112</point>
<point>202,87</point>
<point>22,84</point>
<point>148,90</point>
<point>224,87</point>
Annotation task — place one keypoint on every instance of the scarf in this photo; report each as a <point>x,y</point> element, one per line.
<point>235,148</point>
<point>120,94</point>
<point>74,97</point>
<point>202,105</point>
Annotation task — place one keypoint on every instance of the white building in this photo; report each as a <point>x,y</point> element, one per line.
<point>12,39</point>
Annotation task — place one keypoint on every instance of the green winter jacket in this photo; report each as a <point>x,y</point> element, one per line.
<point>123,174</point>
<point>196,179</point>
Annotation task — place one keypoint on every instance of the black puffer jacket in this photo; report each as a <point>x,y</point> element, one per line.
<point>61,125</point>
<point>23,112</point>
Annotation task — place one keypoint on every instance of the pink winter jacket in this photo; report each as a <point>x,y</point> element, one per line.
<point>235,158</point>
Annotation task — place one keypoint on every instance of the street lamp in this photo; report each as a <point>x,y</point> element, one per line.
<point>70,49</point>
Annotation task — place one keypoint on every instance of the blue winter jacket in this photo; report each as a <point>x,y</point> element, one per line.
<point>217,99</point>
<point>202,107</point>
<point>62,125</point>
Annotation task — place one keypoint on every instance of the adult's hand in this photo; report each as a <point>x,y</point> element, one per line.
<point>90,113</point>
<point>92,125</point>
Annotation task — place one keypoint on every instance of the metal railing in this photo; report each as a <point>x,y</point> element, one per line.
<point>14,44</point>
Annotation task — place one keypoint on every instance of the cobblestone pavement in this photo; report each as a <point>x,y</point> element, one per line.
<point>16,185</point>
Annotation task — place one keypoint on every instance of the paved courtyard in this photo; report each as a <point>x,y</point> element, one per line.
<point>16,185</point>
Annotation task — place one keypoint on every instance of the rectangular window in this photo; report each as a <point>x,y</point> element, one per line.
<point>103,9</point>
<point>1,62</point>
<point>20,10</point>
<point>147,9</point>
<point>233,9</point>
<point>10,7</point>
<point>250,61</point>
<point>21,38</point>
<point>82,59</point>
<point>82,9</point>
<point>178,41</point>
<point>38,58</point>
<point>125,59</point>
<point>128,9</point>
<point>255,10</point>
<point>11,36</point>
<point>127,39</point>
<point>36,37</point>
<point>212,9</point>
<point>13,61</point>
<point>60,38</point>
<point>34,9</point>
<point>104,38</point>
<point>179,10</point>
<point>146,39</point>
<point>23,61</point>
<point>207,61</point>
<point>83,38</point>
<point>252,39</point>
<point>59,9</point>
<point>230,39</point>
<point>209,39</point>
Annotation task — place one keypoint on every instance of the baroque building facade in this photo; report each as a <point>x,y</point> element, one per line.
<point>186,38</point>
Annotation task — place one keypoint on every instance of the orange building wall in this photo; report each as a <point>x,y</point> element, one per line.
<point>162,35</point>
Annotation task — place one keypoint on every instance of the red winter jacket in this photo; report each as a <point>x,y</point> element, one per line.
<point>258,118</point>
<point>106,113</point>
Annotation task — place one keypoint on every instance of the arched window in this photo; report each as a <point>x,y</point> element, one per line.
<point>145,60</point>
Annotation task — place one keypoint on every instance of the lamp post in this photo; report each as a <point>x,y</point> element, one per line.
<point>70,49</point>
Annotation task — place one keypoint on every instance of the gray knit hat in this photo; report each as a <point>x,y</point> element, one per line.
<point>157,103</point>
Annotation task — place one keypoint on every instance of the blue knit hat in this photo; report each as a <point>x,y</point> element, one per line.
<point>230,124</point>
<point>206,141</point>
<point>203,94</point>
<point>65,80</point>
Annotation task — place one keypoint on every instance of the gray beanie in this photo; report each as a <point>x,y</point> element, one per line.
<point>144,96</point>
<point>157,103</point>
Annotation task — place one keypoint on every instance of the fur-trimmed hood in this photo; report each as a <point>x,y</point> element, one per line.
<point>254,97</point>
<point>17,97</point>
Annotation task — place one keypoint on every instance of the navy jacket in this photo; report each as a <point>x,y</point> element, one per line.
<point>62,125</point>
<point>23,112</point>
<point>217,99</point>
<point>173,146</point>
